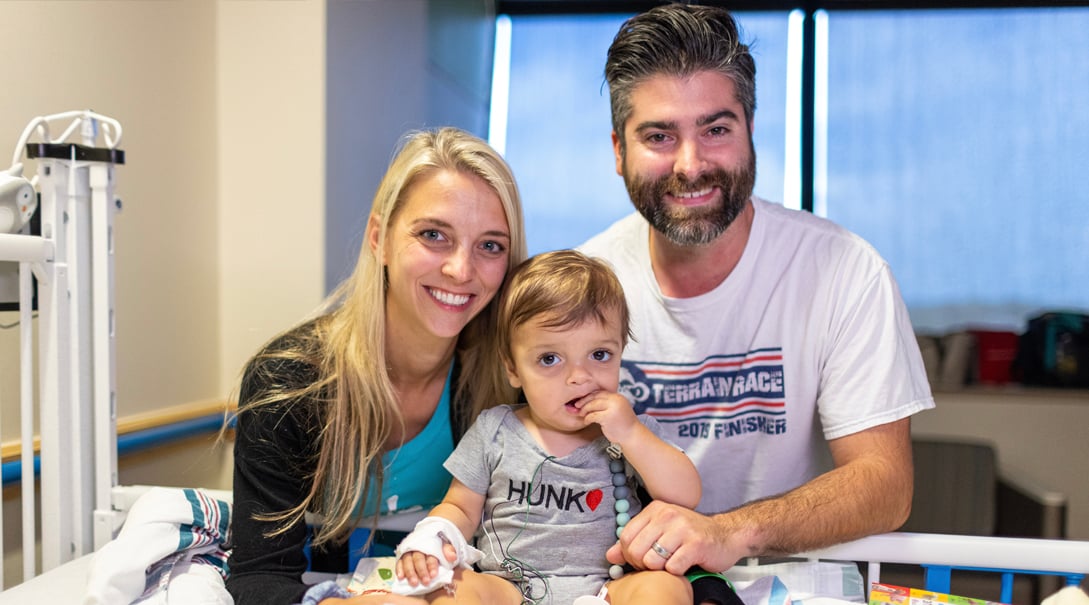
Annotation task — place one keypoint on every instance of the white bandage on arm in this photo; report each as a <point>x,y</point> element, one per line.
<point>429,536</point>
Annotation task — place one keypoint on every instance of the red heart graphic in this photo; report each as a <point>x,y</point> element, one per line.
<point>593,498</point>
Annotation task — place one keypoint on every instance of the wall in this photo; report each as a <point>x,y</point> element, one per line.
<point>212,255</point>
<point>1040,434</point>
<point>148,65</point>
<point>394,67</point>
<point>270,135</point>
<point>369,105</point>
<point>220,241</point>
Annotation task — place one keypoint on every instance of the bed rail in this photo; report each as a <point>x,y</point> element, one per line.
<point>941,554</point>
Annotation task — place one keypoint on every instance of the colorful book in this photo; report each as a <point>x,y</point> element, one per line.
<point>887,594</point>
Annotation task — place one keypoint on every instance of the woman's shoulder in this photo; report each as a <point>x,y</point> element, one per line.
<point>287,365</point>
<point>305,337</point>
<point>293,356</point>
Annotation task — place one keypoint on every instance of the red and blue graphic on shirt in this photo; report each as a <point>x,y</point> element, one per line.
<point>721,396</point>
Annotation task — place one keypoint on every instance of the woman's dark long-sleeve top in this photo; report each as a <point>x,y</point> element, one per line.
<point>275,455</point>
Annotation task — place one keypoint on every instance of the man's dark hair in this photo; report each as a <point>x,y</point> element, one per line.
<point>677,40</point>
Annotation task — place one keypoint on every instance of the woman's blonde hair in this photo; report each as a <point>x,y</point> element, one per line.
<point>348,345</point>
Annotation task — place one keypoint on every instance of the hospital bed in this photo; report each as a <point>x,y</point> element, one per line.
<point>942,555</point>
<point>82,506</point>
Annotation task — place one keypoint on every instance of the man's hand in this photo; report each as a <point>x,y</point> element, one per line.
<point>830,509</point>
<point>687,537</point>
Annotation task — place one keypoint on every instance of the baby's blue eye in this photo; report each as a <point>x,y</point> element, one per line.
<point>601,355</point>
<point>548,360</point>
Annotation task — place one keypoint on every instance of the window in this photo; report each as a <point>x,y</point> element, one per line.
<point>957,145</point>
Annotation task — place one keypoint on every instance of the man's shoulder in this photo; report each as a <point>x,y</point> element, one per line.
<point>604,244</point>
<point>779,215</point>
<point>807,229</point>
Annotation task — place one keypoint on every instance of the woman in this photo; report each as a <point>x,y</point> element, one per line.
<point>352,413</point>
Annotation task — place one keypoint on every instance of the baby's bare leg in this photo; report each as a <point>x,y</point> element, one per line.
<point>650,587</point>
<point>471,587</point>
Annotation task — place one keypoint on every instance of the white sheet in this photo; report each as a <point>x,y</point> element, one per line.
<point>62,585</point>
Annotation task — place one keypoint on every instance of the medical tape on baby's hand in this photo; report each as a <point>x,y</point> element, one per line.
<point>429,536</point>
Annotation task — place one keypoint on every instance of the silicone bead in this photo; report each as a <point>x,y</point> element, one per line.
<point>621,491</point>
<point>616,572</point>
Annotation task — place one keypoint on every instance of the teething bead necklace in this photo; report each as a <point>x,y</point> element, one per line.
<point>621,491</point>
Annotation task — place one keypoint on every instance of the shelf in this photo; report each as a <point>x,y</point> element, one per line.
<point>1008,392</point>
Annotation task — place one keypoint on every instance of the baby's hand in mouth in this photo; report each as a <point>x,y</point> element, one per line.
<point>580,402</point>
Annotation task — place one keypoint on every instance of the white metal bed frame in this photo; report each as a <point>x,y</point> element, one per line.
<point>72,261</point>
<point>942,554</point>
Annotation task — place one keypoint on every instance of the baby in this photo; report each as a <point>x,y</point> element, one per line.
<point>550,483</point>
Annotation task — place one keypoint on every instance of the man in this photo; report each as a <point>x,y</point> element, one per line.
<point>772,344</point>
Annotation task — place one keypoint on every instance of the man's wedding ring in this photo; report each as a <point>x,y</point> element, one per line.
<point>661,551</point>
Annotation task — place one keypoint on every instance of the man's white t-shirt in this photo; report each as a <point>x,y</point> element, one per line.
<point>807,340</point>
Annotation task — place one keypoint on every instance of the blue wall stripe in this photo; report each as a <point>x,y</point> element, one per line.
<point>133,442</point>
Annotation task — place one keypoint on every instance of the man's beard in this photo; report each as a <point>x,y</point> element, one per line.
<point>686,226</point>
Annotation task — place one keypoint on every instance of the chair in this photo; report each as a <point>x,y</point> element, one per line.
<point>955,488</point>
<point>959,491</point>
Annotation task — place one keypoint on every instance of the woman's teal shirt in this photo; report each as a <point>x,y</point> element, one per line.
<point>415,477</point>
